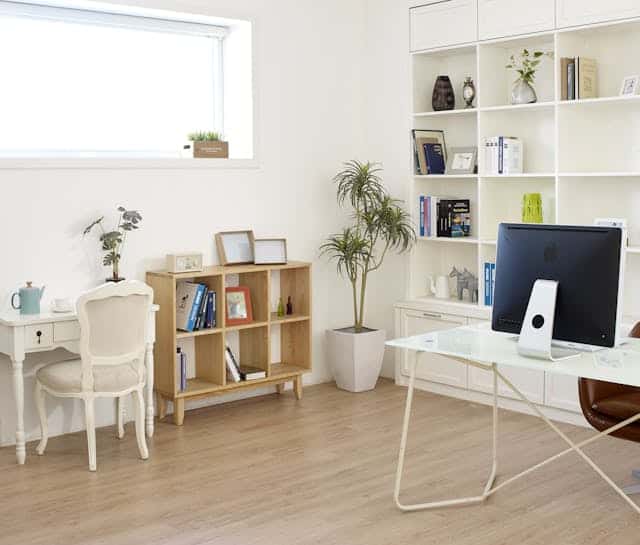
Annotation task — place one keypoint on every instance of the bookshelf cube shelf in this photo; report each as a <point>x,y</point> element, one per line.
<point>252,341</point>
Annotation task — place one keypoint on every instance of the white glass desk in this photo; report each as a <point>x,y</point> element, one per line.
<point>24,334</point>
<point>480,347</point>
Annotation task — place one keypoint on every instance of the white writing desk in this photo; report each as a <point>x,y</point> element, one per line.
<point>21,335</point>
<point>480,347</point>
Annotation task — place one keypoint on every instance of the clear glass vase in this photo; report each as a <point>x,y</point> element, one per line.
<point>523,93</point>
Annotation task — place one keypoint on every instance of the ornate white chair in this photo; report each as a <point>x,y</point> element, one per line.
<point>113,322</point>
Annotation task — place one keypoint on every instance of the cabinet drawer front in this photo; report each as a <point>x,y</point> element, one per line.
<point>499,18</point>
<point>38,336</point>
<point>66,331</point>
<point>444,23</point>
<point>582,12</point>
<point>528,381</point>
<point>561,392</point>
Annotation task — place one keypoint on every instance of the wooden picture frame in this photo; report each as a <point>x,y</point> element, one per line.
<point>237,305</point>
<point>270,251</point>
<point>235,247</point>
<point>463,160</point>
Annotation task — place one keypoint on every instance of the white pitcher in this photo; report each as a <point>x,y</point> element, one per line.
<point>439,288</point>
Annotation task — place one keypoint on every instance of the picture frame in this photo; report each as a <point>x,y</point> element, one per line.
<point>235,247</point>
<point>270,251</point>
<point>237,304</point>
<point>463,160</point>
<point>421,137</point>
<point>629,85</point>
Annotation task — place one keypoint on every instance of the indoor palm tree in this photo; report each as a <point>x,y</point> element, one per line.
<point>380,225</point>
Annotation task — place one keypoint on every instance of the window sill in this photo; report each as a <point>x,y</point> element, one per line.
<point>65,163</point>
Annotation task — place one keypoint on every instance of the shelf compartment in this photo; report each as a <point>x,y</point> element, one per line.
<point>275,319</point>
<point>296,283</point>
<point>295,344</point>
<point>254,347</point>
<point>258,284</point>
<point>459,131</point>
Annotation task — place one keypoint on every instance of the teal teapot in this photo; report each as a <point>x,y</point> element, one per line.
<point>29,299</point>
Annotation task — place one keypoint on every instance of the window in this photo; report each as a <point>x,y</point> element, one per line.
<point>77,82</point>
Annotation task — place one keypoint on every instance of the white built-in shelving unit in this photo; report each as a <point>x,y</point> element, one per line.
<point>582,156</point>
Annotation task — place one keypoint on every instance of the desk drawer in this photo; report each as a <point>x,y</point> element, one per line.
<point>66,331</point>
<point>38,336</point>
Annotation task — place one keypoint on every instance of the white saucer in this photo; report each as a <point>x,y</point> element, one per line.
<point>61,310</point>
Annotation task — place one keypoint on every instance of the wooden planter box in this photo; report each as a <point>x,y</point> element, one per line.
<point>215,149</point>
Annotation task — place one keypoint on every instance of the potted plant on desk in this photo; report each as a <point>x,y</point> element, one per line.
<point>380,225</point>
<point>113,241</point>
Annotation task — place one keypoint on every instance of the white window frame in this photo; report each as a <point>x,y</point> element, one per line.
<point>105,16</point>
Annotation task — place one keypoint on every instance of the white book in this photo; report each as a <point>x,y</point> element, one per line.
<point>186,296</point>
<point>232,366</point>
<point>512,155</point>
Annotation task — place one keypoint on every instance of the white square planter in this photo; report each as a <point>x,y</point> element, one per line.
<point>356,358</point>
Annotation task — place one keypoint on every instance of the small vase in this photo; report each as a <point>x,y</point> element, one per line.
<point>443,97</point>
<point>523,93</point>
<point>468,92</point>
<point>532,208</point>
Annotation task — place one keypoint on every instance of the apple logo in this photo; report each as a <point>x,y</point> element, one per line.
<point>551,252</point>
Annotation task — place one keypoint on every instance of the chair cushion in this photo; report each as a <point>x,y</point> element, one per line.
<point>66,377</point>
<point>620,406</point>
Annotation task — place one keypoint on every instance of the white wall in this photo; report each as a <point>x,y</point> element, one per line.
<point>311,118</point>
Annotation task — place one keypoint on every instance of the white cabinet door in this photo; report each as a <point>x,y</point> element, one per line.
<point>433,367</point>
<point>529,382</point>
<point>498,18</point>
<point>443,23</point>
<point>583,12</point>
<point>561,392</point>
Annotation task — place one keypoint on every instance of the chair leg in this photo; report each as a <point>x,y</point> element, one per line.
<point>42,413</point>
<point>90,418</point>
<point>140,433</point>
<point>120,417</point>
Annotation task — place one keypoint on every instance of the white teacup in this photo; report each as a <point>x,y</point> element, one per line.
<point>62,305</point>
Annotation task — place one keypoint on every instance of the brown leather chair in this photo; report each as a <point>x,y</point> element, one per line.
<point>605,404</point>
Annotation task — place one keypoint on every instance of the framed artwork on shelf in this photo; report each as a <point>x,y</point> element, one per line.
<point>429,139</point>
<point>629,85</point>
<point>238,305</point>
<point>235,247</point>
<point>270,251</point>
<point>463,160</point>
<point>185,262</point>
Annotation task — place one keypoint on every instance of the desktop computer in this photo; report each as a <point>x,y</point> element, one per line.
<point>559,287</point>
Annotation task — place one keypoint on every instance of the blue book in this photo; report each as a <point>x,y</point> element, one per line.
<point>195,307</point>
<point>500,155</point>
<point>435,158</point>
<point>493,280</point>
<point>209,321</point>
<point>183,371</point>
<point>487,284</point>
<point>421,215</point>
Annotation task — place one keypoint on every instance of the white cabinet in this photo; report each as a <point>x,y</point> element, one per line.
<point>442,23</point>
<point>499,18</point>
<point>583,12</point>
<point>432,367</point>
<point>561,392</point>
<point>529,382</point>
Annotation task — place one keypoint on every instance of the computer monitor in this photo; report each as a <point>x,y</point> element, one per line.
<point>560,283</point>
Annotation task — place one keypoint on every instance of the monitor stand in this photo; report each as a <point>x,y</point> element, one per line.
<point>536,335</point>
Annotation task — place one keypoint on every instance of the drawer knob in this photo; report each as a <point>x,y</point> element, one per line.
<point>39,335</point>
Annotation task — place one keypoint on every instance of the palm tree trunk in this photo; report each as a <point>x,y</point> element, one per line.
<point>355,304</point>
<point>363,288</point>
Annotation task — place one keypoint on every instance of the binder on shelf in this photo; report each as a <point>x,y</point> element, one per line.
<point>487,284</point>
<point>422,218</point>
<point>181,369</point>
<point>210,315</point>
<point>188,301</point>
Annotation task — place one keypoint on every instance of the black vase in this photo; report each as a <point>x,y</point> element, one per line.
<point>443,97</point>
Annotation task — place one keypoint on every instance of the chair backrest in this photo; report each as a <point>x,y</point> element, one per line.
<point>113,326</point>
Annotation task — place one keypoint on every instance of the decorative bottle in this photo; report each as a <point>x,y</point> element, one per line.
<point>280,310</point>
<point>289,306</point>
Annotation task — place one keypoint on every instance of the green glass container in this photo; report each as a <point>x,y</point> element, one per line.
<point>532,208</point>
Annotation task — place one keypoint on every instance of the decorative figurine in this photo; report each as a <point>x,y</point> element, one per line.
<point>280,311</point>
<point>468,92</point>
<point>465,280</point>
<point>289,306</point>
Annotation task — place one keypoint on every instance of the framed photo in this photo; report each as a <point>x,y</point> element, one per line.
<point>629,85</point>
<point>235,247</point>
<point>185,262</point>
<point>422,137</point>
<point>270,251</point>
<point>462,160</point>
<point>238,305</point>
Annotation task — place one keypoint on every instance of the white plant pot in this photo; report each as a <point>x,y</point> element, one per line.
<point>356,358</point>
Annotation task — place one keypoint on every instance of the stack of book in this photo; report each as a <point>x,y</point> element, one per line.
<point>578,78</point>
<point>444,217</point>
<point>195,307</point>
<point>237,372</point>
<point>503,155</point>
<point>489,282</point>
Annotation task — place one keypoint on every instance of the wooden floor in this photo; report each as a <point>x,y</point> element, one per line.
<point>317,471</point>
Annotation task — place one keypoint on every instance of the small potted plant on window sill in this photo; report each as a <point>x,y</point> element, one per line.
<point>380,225</point>
<point>113,241</point>
<point>208,145</point>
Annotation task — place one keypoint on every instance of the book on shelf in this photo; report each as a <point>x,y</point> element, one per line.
<point>233,369</point>
<point>430,152</point>
<point>435,158</point>
<point>503,155</point>
<point>181,369</point>
<point>444,216</point>
<point>489,282</point>
<point>578,78</point>
<point>192,303</point>
<point>251,373</point>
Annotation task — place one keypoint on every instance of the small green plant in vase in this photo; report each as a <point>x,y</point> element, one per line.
<point>525,65</point>
<point>113,240</point>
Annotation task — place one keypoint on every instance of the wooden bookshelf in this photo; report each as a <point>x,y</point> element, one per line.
<point>210,378</point>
